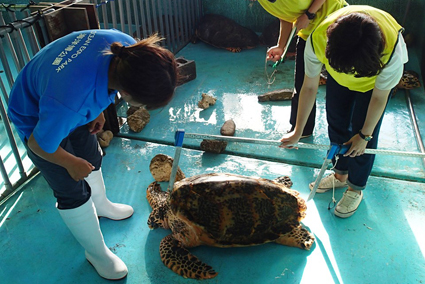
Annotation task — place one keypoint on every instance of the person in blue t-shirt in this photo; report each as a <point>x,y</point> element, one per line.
<point>57,104</point>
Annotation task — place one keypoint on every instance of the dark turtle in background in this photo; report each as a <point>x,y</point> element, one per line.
<point>225,210</point>
<point>222,32</point>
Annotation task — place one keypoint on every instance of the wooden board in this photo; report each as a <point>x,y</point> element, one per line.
<point>91,14</point>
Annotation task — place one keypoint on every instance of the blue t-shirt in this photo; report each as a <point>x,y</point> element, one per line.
<point>64,86</point>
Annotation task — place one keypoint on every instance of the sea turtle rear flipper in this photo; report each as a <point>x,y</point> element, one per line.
<point>234,49</point>
<point>298,237</point>
<point>181,261</point>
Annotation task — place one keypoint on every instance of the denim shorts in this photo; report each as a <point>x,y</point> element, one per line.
<point>68,192</point>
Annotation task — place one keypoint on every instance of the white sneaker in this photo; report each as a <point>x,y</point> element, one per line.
<point>348,204</point>
<point>327,183</point>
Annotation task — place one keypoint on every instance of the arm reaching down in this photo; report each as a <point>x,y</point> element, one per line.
<point>306,102</point>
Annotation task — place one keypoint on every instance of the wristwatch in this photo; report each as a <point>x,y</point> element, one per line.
<point>310,16</point>
<point>365,137</point>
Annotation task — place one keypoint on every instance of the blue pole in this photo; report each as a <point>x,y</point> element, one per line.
<point>333,151</point>
<point>178,141</point>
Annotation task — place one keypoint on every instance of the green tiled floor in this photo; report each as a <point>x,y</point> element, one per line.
<point>381,243</point>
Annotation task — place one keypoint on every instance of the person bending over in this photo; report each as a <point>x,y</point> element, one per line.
<point>305,15</point>
<point>57,104</point>
<point>364,52</point>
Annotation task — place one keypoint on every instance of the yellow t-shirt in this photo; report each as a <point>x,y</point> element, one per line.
<point>291,10</point>
<point>389,27</point>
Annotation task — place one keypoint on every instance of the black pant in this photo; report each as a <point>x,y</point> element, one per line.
<point>299,79</point>
<point>346,112</point>
<point>68,192</point>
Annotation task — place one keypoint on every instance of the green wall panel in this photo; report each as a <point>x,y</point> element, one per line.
<point>252,15</point>
<point>408,13</point>
<point>396,8</point>
<point>415,26</point>
<point>247,13</point>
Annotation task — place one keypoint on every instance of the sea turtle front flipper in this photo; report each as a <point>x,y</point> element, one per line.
<point>181,261</point>
<point>285,180</point>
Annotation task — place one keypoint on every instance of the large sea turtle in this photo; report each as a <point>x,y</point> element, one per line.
<point>224,210</point>
<point>222,32</point>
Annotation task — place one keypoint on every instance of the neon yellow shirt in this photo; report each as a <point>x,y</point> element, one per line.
<point>291,10</point>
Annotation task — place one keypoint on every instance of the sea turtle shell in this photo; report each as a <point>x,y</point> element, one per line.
<point>235,210</point>
<point>222,32</point>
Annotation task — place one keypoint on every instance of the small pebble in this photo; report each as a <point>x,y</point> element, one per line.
<point>228,128</point>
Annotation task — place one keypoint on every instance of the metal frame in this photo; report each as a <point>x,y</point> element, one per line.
<point>15,50</point>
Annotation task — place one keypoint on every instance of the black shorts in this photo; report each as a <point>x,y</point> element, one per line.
<point>68,192</point>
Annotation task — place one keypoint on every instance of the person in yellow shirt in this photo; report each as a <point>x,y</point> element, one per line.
<point>305,15</point>
<point>364,53</point>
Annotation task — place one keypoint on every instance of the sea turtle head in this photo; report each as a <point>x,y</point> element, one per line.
<point>158,200</point>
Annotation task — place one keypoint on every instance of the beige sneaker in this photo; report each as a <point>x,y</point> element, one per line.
<point>302,136</point>
<point>305,136</point>
<point>327,183</point>
<point>348,204</point>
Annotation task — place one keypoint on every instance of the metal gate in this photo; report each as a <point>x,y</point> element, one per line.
<point>175,20</point>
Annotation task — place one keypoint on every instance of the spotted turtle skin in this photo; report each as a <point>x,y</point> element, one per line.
<point>409,80</point>
<point>225,210</point>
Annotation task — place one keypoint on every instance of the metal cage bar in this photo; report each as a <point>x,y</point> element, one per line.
<point>155,17</point>
<point>114,16</point>
<point>6,40</point>
<point>29,31</point>
<point>170,25</point>
<point>105,17</point>
<point>148,17</point>
<point>6,181</point>
<point>136,20</point>
<point>12,140</point>
<point>129,21</point>
<point>5,63</point>
<point>161,21</point>
<point>142,30</point>
<point>18,40</point>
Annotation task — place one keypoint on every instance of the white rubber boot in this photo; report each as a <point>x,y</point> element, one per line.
<point>104,207</point>
<point>84,225</point>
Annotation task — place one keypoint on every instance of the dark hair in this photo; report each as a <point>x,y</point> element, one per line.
<point>355,45</point>
<point>146,71</point>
